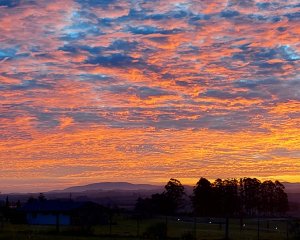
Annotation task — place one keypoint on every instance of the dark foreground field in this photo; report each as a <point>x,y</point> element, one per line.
<point>125,228</point>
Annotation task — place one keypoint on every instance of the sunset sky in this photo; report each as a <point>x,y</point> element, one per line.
<point>145,90</point>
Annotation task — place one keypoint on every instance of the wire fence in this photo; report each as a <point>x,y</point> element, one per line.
<point>165,227</point>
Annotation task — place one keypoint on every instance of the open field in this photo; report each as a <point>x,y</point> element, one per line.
<point>127,228</point>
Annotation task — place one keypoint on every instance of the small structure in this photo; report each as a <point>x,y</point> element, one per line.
<point>57,213</point>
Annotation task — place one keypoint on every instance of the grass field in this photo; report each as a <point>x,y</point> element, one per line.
<point>126,228</point>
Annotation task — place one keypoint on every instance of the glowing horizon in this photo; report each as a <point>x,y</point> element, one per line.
<point>143,91</point>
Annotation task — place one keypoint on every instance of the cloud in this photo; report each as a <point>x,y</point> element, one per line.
<point>293,16</point>
<point>145,30</point>
<point>9,3</point>
<point>146,92</point>
<point>114,60</point>
<point>238,94</point>
<point>142,92</point>
<point>229,14</point>
<point>30,85</point>
<point>252,84</point>
<point>96,3</point>
<point>121,85</point>
<point>122,45</point>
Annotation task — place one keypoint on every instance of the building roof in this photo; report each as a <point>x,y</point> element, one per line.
<point>55,206</point>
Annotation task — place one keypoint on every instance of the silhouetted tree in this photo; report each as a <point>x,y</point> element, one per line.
<point>250,195</point>
<point>143,207</point>
<point>273,199</point>
<point>281,199</point>
<point>156,204</point>
<point>231,194</point>
<point>160,204</point>
<point>42,197</point>
<point>229,197</point>
<point>218,199</point>
<point>226,193</point>
<point>7,202</point>
<point>166,203</point>
<point>18,204</point>
<point>203,198</point>
<point>31,199</point>
<point>174,193</point>
<point>267,198</point>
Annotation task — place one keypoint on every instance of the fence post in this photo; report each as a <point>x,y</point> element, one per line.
<point>57,222</point>
<point>137,226</point>
<point>258,228</point>
<point>166,226</point>
<point>110,222</point>
<point>227,228</point>
<point>195,227</point>
<point>287,229</point>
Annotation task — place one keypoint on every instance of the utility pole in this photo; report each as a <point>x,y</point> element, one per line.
<point>227,228</point>
<point>166,226</point>
<point>57,222</point>
<point>258,228</point>
<point>195,227</point>
<point>287,229</point>
<point>138,226</point>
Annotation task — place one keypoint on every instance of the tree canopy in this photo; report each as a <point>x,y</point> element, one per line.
<point>227,197</point>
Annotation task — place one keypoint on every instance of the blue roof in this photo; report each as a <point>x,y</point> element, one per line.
<point>54,206</point>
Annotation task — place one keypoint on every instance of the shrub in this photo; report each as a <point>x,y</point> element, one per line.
<point>188,236</point>
<point>156,231</point>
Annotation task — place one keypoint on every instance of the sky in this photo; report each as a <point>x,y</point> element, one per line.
<point>145,90</point>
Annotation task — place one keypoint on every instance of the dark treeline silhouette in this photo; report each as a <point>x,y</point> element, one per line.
<point>244,197</point>
<point>167,202</point>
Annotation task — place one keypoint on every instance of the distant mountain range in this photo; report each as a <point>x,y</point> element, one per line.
<point>125,186</point>
<point>292,187</point>
<point>110,186</point>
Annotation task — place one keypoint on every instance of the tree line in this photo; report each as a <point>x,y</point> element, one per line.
<point>244,197</point>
